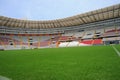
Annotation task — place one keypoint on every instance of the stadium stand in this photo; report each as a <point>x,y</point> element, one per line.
<point>87,42</point>
<point>88,34</point>
<point>97,27</point>
<point>97,41</point>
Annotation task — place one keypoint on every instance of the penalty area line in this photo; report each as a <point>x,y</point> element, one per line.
<point>116,50</point>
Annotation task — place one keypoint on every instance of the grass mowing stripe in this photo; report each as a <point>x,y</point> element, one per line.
<point>116,50</point>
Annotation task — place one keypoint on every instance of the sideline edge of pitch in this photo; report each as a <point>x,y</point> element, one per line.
<point>116,51</point>
<point>4,78</point>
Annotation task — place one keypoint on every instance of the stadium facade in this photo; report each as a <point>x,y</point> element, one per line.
<point>97,27</point>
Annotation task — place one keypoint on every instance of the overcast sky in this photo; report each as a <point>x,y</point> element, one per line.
<point>50,9</point>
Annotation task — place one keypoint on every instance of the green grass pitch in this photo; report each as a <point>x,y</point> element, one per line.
<point>75,63</point>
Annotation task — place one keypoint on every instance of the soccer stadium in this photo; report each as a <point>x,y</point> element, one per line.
<point>81,47</point>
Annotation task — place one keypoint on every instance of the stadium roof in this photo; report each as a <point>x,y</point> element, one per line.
<point>89,17</point>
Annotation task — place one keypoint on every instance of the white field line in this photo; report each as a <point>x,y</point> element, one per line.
<point>116,50</point>
<point>4,78</point>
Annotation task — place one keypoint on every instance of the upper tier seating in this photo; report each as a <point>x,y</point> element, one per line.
<point>66,38</point>
<point>110,29</point>
<point>112,32</point>
<point>68,34</point>
<point>79,34</point>
<point>89,34</point>
<point>98,33</point>
<point>111,38</point>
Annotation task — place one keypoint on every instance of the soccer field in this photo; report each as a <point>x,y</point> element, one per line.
<point>75,63</point>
